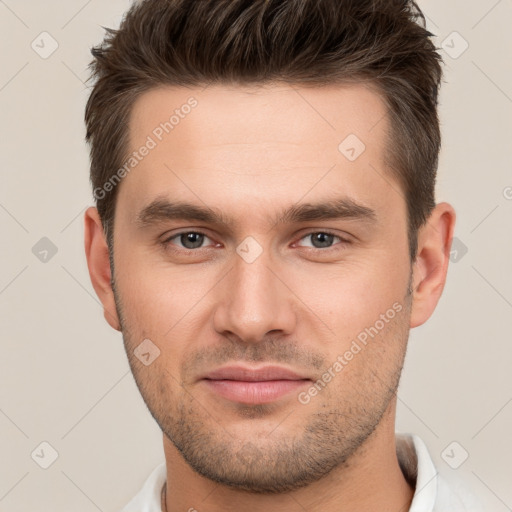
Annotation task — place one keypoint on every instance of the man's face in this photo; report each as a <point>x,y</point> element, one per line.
<point>273,278</point>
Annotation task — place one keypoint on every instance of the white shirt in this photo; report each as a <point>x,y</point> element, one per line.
<point>433,493</point>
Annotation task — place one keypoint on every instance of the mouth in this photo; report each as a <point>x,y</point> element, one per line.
<point>254,386</point>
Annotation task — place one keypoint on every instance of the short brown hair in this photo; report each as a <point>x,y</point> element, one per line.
<point>199,42</point>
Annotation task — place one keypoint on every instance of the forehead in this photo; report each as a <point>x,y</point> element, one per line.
<point>279,113</point>
<point>269,143</point>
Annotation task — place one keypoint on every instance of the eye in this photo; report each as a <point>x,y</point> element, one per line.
<point>190,240</point>
<point>321,239</point>
<point>187,240</point>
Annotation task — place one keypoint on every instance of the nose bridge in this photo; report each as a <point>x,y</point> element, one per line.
<point>255,301</point>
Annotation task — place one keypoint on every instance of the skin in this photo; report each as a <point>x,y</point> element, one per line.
<point>250,153</point>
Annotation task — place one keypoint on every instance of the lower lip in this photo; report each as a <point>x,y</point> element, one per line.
<point>259,392</point>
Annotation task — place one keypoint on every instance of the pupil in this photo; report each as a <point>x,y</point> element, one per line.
<point>192,240</point>
<point>324,239</point>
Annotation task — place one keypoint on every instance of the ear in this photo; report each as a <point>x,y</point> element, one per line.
<point>96,251</point>
<point>431,265</point>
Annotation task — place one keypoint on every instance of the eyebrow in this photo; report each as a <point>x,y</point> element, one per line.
<point>161,210</point>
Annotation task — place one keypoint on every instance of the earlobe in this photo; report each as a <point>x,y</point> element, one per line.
<point>97,254</point>
<point>431,265</point>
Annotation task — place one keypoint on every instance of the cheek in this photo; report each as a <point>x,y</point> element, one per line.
<point>350,296</point>
<point>169,304</point>
<point>160,302</point>
<point>372,353</point>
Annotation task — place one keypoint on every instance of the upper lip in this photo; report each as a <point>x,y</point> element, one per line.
<point>244,373</point>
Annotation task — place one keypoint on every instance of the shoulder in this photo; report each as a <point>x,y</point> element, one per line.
<point>435,491</point>
<point>148,497</point>
<point>453,495</point>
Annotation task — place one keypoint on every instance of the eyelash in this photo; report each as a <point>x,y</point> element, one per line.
<point>167,242</point>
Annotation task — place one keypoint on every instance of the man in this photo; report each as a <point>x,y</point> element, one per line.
<point>265,236</point>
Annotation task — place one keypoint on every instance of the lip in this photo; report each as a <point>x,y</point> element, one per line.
<point>254,385</point>
<point>243,373</point>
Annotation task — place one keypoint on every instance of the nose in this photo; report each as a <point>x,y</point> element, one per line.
<point>254,301</point>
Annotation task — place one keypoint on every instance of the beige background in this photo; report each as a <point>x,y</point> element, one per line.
<point>64,375</point>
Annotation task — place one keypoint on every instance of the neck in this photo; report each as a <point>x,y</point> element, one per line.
<point>371,480</point>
